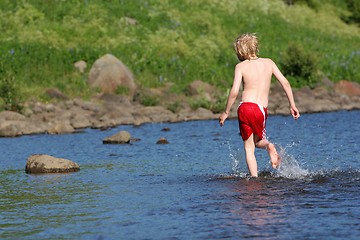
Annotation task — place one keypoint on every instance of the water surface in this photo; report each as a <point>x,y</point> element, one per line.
<point>196,187</point>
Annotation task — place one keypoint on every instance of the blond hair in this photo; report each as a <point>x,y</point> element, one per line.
<point>246,46</point>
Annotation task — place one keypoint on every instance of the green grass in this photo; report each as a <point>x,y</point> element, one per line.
<point>175,41</point>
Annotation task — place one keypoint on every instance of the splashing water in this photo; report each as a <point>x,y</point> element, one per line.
<point>237,158</point>
<point>289,167</point>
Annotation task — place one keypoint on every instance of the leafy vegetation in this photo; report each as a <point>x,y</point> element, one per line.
<point>354,7</point>
<point>10,93</point>
<point>168,41</point>
<point>300,66</point>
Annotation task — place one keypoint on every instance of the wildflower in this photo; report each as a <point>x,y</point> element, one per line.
<point>160,78</point>
<point>12,51</point>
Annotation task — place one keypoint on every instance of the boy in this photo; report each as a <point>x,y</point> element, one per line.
<point>252,113</point>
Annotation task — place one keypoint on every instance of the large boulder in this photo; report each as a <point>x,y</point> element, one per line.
<point>61,128</point>
<point>10,115</point>
<point>56,93</point>
<point>199,87</point>
<point>348,88</point>
<point>38,163</point>
<point>198,114</point>
<point>109,73</point>
<point>120,138</point>
<point>158,114</point>
<point>11,128</point>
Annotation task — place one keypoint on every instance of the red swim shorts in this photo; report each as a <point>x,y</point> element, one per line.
<point>252,119</point>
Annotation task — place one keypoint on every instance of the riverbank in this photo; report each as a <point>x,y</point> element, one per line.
<point>110,110</point>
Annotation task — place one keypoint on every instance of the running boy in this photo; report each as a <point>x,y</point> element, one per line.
<point>252,113</point>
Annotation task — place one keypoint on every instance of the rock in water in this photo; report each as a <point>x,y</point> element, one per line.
<point>61,128</point>
<point>118,138</point>
<point>38,163</point>
<point>162,141</point>
<point>109,73</point>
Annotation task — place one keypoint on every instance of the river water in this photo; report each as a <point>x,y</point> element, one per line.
<point>196,187</point>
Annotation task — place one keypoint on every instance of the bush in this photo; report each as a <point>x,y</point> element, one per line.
<point>220,104</point>
<point>146,97</point>
<point>311,3</point>
<point>174,107</point>
<point>122,90</point>
<point>10,93</point>
<point>354,8</point>
<point>199,102</point>
<point>299,66</point>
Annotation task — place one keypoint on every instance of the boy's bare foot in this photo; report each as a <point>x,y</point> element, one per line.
<point>274,157</point>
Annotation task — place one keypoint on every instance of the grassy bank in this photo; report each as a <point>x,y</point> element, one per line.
<point>174,41</point>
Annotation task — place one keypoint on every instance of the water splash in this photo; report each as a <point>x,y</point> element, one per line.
<point>237,160</point>
<point>289,167</point>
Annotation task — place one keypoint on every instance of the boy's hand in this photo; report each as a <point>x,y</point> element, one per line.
<point>294,112</point>
<point>222,118</point>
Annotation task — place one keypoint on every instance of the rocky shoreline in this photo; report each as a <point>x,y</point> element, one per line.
<point>110,110</point>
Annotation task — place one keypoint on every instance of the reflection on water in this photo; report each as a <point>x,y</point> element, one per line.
<point>196,187</point>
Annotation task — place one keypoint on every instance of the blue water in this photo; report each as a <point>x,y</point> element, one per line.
<point>196,187</point>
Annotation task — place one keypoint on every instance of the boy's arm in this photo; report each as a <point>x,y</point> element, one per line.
<point>232,94</point>
<point>287,88</point>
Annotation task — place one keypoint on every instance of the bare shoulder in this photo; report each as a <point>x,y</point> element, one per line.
<point>268,61</point>
<point>240,66</point>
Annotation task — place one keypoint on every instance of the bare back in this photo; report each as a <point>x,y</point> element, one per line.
<point>256,76</point>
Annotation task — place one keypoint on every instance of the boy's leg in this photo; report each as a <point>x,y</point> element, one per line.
<point>249,146</point>
<point>270,148</point>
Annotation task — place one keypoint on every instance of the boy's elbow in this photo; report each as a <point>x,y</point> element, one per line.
<point>233,93</point>
<point>285,84</point>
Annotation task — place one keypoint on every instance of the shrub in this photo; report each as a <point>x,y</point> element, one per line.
<point>311,3</point>
<point>122,90</point>
<point>299,66</point>
<point>354,8</point>
<point>199,102</point>
<point>220,103</point>
<point>174,107</point>
<point>10,93</point>
<point>146,97</point>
